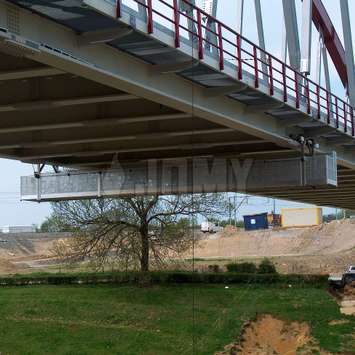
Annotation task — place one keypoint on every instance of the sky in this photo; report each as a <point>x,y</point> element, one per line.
<point>15,212</point>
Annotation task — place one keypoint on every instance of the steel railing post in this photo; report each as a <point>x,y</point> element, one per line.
<point>308,96</point>
<point>345,117</point>
<point>271,77</point>
<point>118,9</point>
<point>150,16</point>
<point>199,34</point>
<point>176,23</point>
<point>318,101</point>
<point>336,112</point>
<point>256,68</point>
<point>220,47</point>
<point>239,57</point>
<point>297,92</point>
<point>284,81</point>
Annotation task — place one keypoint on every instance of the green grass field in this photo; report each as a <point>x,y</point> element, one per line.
<point>157,320</point>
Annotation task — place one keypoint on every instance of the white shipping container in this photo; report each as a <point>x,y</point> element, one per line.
<point>301,217</point>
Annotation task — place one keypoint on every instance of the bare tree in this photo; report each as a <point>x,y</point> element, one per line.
<point>144,229</point>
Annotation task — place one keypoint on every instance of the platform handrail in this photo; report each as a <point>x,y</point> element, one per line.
<point>248,56</point>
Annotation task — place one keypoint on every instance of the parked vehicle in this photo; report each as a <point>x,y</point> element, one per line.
<point>347,278</point>
<point>210,227</point>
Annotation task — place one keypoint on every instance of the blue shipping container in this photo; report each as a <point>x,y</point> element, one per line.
<point>256,221</point>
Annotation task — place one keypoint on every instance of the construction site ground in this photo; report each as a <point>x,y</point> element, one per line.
<point>325,249</point>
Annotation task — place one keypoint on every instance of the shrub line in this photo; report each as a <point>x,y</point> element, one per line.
<point>162,278</point>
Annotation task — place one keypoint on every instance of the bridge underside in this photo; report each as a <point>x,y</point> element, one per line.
<point>49,116</point>
<point>88,114</point>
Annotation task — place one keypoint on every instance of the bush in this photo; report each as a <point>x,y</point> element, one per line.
<point>242,268</point>
<point>213,268</point>
<point>160,277</point>
<point>267,267</point>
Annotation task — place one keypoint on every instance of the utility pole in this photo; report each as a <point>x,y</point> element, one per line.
<point>235,210</point>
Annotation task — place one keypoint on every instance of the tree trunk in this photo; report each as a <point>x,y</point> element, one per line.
<point>144,249</point>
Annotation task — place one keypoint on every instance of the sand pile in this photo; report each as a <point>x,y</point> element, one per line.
<point>328,238</point>
<point>7,267</point>
<point>270,336</point>
<point>349,290</point>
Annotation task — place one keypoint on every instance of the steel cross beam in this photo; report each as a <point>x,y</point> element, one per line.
<point>332,41</point>
<point>292,37</point>
<point>210,7</point>
<point>349,51</point>
<point>185,7</point>
<point>306,42</point>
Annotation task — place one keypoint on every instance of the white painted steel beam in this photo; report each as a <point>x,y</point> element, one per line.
<point>240,16</point>
<point>169,68</point>
<point>306,41</point>
<point>322,63</point>
<point>142,10</point>
<point>292,36</point>
<point>261,34</point>
<point>85,152</point>
<point>103,36</point>
<point>116,121</point>
<point>210,6</point>
<point>349,50</point>
<point>47,104</point>
<point>29,142</point>
<point>29,73</point>
<point>184,7</point>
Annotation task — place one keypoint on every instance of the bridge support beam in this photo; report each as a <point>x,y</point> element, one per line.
<point>195,175</point>
<point>349,51</point>
<point>292,36</point>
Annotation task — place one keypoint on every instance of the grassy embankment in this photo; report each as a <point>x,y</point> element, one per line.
<point>127,319</point>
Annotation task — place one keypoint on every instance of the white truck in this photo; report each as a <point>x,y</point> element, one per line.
<point>347,278</point>
<point>210,227</point>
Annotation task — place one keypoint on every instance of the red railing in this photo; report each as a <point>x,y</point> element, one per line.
<point>296,89</point>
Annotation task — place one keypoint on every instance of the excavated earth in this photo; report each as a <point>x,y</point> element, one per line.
<point>270,336</point>
<point>325,249</point>
<point>23,251</point>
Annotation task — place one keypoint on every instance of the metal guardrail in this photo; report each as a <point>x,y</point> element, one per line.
<point>230,46</point>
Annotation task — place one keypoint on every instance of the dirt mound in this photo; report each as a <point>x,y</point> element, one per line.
<point>7,267</point>
<point>349,290</point>
<point>329,238</point>
<point>229,231</point>
<point>270,336</point>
